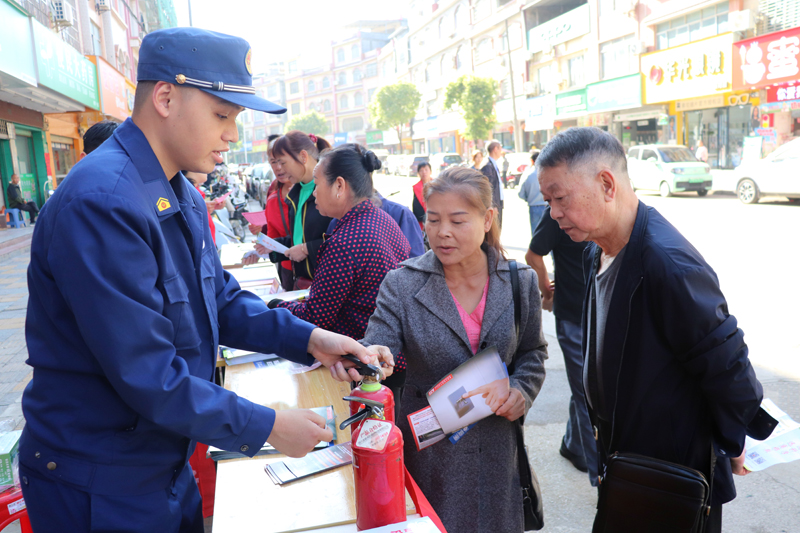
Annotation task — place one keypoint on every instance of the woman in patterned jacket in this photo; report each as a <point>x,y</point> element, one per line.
<point>365,245</point>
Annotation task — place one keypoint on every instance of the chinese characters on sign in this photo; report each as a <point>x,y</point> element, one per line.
<point>766,60</point>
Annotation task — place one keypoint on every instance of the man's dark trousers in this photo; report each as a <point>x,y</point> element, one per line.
<point>31,208</point>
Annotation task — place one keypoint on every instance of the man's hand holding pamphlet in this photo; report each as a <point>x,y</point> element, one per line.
<point>473,391</point>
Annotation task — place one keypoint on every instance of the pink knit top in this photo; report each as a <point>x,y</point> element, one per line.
<point>473,321</point>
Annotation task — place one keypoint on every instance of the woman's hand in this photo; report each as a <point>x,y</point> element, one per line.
<point>251,259</point>
<point>262,250</point>
<point>297,253</point>
<point>255,229</point>
<point>494,393</point>
<point>514,407</point>
<point>379,356</point>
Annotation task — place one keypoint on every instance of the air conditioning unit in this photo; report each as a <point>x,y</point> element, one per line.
<point>64,13</point>
<point>103,5</point>
<point>638,47</point>
<point>741,20</point>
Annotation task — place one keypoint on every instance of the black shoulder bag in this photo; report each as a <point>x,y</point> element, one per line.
<point>531,493</point>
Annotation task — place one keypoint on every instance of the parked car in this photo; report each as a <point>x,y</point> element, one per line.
<point>410,163</point>
<point>775,175</point>
<point>393,164</point>
<point>261,177</point>
<point>667,169</point>
<point>443,160</point>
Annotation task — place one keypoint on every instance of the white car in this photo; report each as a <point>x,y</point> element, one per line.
<point>775,175</point>
<point>667,169</point>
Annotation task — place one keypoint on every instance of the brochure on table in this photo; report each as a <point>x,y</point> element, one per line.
<point>449,410</point>
<point>417,525</point>
<point>782,446</point>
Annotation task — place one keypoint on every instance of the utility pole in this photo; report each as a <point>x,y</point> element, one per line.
<point>517,140</point>
<point>190,14</point>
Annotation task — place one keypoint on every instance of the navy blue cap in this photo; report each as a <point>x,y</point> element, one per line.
<point>213,62</point>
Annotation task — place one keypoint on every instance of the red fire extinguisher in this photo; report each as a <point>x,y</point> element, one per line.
<point>378,467</point>
<point>371,389</point>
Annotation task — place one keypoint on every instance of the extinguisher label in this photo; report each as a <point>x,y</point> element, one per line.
<point>374,434</point>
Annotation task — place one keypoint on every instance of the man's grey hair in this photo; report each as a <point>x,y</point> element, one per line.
<point>491,146</point>
<point>577,146</point>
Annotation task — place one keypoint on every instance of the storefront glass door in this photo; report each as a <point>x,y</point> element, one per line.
<point>722,131</point>
<point>25,164</point>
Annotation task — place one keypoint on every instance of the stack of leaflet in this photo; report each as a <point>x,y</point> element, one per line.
<point>326,412</point>
<point>291,296</point>
<point>239,357</point>
<point>281,472</point>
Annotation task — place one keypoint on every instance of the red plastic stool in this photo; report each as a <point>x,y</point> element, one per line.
<point>205,472</point>
<point>12,508</point>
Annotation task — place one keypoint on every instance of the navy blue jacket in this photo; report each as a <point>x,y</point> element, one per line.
<point>405,219</point>
<point>128,303</point>
<point>676,374</point>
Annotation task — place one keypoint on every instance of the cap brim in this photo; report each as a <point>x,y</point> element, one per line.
<point>250,101</point>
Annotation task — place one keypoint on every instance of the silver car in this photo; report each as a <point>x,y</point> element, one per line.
<point>775,175</point>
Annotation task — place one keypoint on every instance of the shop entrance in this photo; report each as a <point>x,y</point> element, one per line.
<point>722,131</point>
<point>26,166</point>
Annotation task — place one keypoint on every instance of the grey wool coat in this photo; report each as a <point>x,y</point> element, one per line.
<point>473,485</point>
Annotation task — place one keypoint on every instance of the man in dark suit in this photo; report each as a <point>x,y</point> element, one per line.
<point>492,172</point>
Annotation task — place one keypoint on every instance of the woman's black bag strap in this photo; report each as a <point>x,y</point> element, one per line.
<point>512,265</point>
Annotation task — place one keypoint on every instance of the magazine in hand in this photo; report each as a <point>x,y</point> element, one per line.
<point>449,411</point>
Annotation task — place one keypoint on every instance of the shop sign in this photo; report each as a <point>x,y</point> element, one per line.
<point>783,94</point>
<point>375,137</point>
<point>449,122</point>
<point>64,69</point>
<point>767,60</point>
<point>619,93</point>
<point>692,70</point>
<point>559,30</point>
<point>390,137</point>
<point>16,58</point>
<point>540,113</point>
<point>779,107</point>
<point>339,139</point>
<point>113,100</point>
<point>504,109</point>
<point>572,103</point>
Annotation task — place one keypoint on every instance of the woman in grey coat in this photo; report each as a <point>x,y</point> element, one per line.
<point>473,485</point>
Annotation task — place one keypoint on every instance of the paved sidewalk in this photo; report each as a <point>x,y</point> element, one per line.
<point>14,373</point>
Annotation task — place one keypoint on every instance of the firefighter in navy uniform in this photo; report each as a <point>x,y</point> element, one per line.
<point>129,301</point>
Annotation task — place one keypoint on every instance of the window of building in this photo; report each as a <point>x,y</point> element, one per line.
<point>617,58</point>
<point>372,70</point>
<point>370,94</point>
<point>292,66</point>
<point>358,99</point>
<point>259,118</point>
<point>427,72</point>
<point>326,82</point>
<point>344,103</point>
<point>261,134</point>
<point>296,109</point>
<point>312,86</point>
<point>483,51</point>
<point>480,10</point>
<point>461,58</point>
<point>442,28</point>
<point>97,48</point>
<point>294,87</point>
<point>248,136</point>
<point>342,78</point>
<point>608,7</point>
<point>505,88</point>
<point>326,105</point>
<point>357,75</point>
<point>353,124</point>
<point>692,27</point>
<point>514,37</point>
<point>272,91</point>
<point>461,17</point>
<point>546,78</point>
<point>247,117</point>
<point>355,52</point>
<point>576,71</point>
<point>274,130</point>
<point>340,55</point>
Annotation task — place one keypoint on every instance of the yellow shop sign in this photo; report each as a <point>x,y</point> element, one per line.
<point>701,68</point>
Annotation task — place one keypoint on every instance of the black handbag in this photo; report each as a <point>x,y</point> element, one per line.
<point>531,493</point>
<point>643,494</point>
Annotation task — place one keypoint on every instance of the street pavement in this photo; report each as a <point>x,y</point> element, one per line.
<point>752,251</point>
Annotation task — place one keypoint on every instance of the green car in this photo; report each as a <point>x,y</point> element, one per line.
<point>667,169</point>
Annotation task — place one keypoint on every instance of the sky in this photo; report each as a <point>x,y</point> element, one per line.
<point>279,30</point>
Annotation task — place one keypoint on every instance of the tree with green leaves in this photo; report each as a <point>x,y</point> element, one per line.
<point>393,106</point>
<point>475,98</point>
<point>311,122</point>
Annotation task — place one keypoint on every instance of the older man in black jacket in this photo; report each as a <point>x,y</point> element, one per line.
<point>16,201</point>
<point>666,372</point>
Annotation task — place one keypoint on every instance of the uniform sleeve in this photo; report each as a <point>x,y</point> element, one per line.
<point>531,353</point>
<point>711,347</point>
<point>110,287</point>
<point>410,228</point>
<point>332,283</point>
<point>386,324</point>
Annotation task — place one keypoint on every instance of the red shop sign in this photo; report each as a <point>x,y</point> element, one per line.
<point>766,60</point>
<point>784,93</point>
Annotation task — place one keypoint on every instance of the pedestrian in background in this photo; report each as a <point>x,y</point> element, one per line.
<point>702,152</point>
<point>298,153</point>
<point>530,193</point>
<point>418,202</point>
<point>477,159</point>
<point>657,385</point>
<point>492,172</point>
<point>439,310</point>
<point>564,298</point>
<point>97,135</point>
<point>16,201</point>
